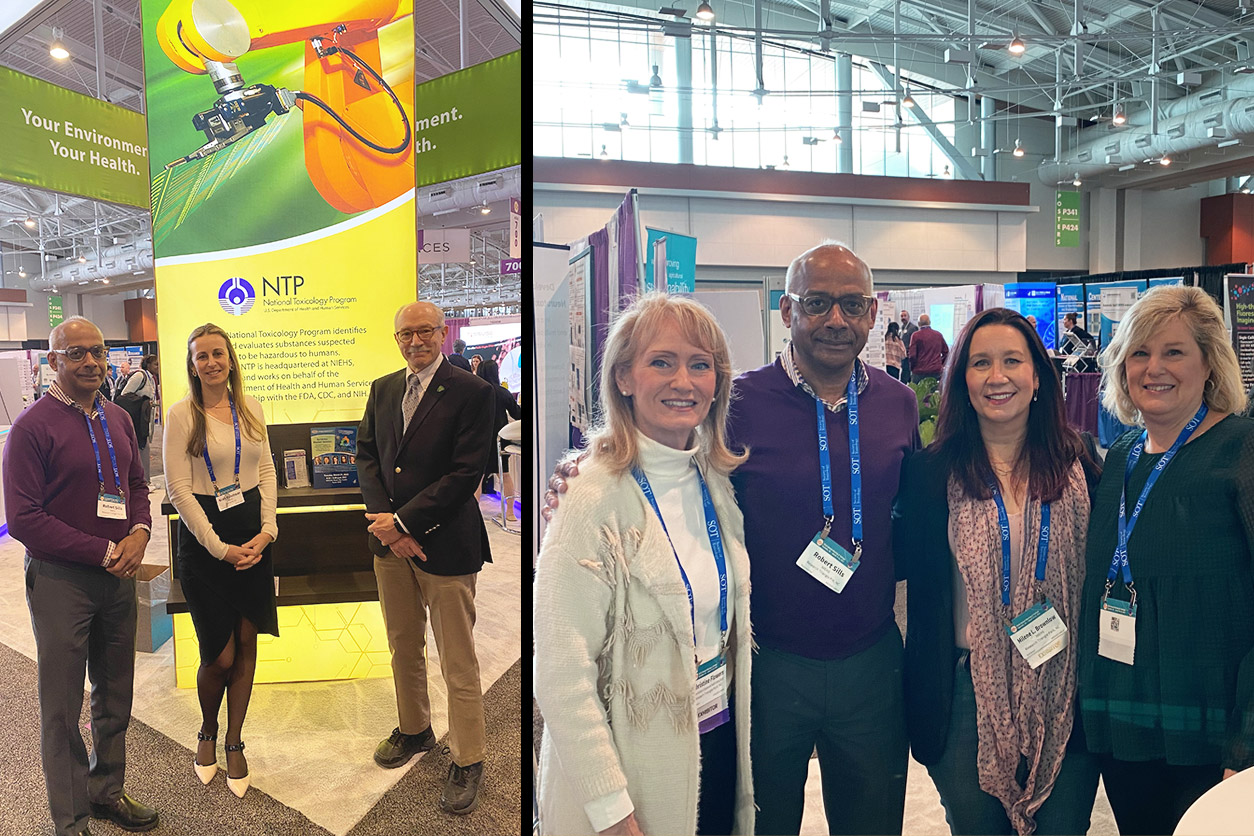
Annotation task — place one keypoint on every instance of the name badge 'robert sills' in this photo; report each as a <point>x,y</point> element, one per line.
<point>828,563</point>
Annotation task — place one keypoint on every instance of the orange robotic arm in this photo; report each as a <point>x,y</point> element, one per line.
<point>358,148</point>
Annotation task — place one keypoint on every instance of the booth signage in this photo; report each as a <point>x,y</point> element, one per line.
<point>1067,219</point>
<point>515,228</point>
<point>511,266</point>
<point>57,139</point>
<point>1240,303</point>
<point>470,122</point>
<point>680,256</point>
<point>444,246</point>
<point>56,313</point>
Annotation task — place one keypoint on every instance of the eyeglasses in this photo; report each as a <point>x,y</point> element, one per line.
<point>77,352</point>
<point>854,305</point>
<point>405,334</point>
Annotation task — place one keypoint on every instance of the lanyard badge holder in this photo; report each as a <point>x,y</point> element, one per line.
<point>713,708</point>
<point>231,495</point>
<point>823,558</point>
<point>1117,625</point>
<point>1038,633</point>
<point>109,506</point>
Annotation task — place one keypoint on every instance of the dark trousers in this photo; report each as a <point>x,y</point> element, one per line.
<point>905,370</point>
<point>1149,797</point>
<point>972,812</point>
<point>716,803</point>
<point>893,372</point>
<point>84,621</point>
<point>851,710</point>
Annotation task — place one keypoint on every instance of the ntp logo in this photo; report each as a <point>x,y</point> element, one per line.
<point>236,296</point>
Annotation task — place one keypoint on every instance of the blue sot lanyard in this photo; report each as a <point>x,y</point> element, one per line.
<point>1120,561</point>
<point>855,462</point>
<point>716,546</point>
<point>205,452</point>
<point>1042,542</point>
<point>104,424</point>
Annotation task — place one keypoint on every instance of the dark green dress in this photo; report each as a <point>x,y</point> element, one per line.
<point>1189,697</point>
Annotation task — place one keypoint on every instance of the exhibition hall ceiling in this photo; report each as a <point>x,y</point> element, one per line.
<point>104,40</point>
<point>1083,61</point>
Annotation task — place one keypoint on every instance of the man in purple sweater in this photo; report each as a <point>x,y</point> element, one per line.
<point>828,669</point>
<point>75,495</point>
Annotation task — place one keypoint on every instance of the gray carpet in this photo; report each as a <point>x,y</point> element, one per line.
<point>412,805</point>
<point>158,773</point>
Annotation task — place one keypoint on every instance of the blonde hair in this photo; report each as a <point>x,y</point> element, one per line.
<point>251,426</point>
<point>1223,392</point>
<point>614,440</point>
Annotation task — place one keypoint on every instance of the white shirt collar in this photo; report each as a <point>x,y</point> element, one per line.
<point>424,375</point>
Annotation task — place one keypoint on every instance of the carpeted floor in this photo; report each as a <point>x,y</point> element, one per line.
<point>159,773</point>
<point>412,805</point>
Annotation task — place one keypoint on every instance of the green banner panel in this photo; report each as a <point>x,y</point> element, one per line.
<point>470,121</point>
<point>57,139</point>
<point>1067,218</point>
<point>56,314</point>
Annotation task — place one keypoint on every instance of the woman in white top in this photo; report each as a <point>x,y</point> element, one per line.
<point>642,640</point>
<point>226,504</point>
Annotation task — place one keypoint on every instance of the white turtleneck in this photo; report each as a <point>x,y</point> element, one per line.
<point>673,476</point>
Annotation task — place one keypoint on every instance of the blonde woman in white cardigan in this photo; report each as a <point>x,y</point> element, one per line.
<point>642,638</point>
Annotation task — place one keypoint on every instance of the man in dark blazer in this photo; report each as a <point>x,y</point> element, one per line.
<point>458,357</point>
<point>420,453</point>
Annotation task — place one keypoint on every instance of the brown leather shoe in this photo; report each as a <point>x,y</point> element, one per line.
<point>461,791</point>
<point>126,813</point>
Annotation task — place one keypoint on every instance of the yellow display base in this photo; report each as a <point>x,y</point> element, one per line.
<point>317,642</point>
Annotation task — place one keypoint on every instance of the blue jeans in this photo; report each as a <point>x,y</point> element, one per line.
<point>972,812</point>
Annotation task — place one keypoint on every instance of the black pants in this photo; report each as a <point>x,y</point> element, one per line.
<point>716,803</point>
<point>1150,797</point>
<point>894,372</point>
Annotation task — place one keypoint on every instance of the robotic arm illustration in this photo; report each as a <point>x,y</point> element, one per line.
<point>358,148</point>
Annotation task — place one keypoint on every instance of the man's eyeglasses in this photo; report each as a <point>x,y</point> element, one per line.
<point>854,305</point>
<point>406,334</point>
<point>77,352</point>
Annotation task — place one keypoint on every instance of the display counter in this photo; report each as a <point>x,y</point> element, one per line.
<point>330,623</point>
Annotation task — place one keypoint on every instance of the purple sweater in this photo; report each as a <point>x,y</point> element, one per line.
<point>50,483</point>
<point>779,491</point>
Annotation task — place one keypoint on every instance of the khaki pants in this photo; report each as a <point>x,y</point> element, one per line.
<point>407,594</point>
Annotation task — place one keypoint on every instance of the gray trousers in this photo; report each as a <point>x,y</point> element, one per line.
<point>84,621</point>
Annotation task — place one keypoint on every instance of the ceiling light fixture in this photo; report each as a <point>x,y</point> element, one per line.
<point>1076,182</point>
<point>1165,160</point>
<point>624,124</point>
<point>57,49</point>
<point>1017,47</point>
<point>656,81</point>
<point>30,222</point>
<point>704,12</point>
<point>785,166</point>
<point>485,209</point>
<point>908,101</point>
<point>836,137</point>
<point>21,274</point>
<point>604,154</point>
<point>1018,152</point>
<point>1119,118</point>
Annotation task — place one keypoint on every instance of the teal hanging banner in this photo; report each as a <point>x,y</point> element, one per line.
<point>678,253</point>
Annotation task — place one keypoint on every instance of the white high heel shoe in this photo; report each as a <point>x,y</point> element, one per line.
<point>239,786</point>
<point>205,773</point>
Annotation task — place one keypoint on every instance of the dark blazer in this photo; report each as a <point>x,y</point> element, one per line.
<point>924,560</point>
<point>427,477</point>
<point>459,360</point>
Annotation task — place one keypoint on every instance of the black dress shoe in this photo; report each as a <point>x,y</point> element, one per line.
<point>461,791</point>
<point>126,813</point>
<point>399,748</point>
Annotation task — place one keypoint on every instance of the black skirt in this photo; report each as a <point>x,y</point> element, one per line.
<point>217,595</point>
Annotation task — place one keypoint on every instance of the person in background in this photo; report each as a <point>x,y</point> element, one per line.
<point>894,350</point>
<point>458,357</point>
<point>1077,341</point>
<point>78,501</point>
<point>420,451</point>
<point>651,512</point>
<point>143,385</point>
<point>475,360</point>
<point>907,331</point>
<point>226,503</point>
<point>507,409</point>
<point>989,530</point>
<point>1167,628</point>
<point>927,351</point>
